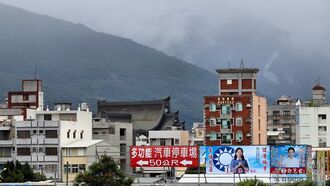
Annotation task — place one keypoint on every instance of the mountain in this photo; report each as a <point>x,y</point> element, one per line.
<point>78,64</point>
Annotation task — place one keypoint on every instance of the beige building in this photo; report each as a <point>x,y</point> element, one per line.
<point>259,120</point>
<point>79,155</point>
<point>197,134</point>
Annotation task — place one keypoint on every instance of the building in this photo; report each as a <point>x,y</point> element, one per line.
<point>172,137</point>
<point>313,125</point>
<point>281,122</point>
<point>145,115</point>
<point>39,140</point>
<point>14,109</point>
<point>30,97</point>
<point>197,134</point>
<point>237,116</point>
<point>117,130</point>
<point>79,155</point>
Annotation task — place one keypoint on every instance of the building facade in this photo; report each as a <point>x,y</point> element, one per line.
<point>314,123</point>
<point>117,130</point>
<point>237,116</point>
<point>281,122</point>
<point>197,134</point>
<point>79,155</point>
<point>38,140</point>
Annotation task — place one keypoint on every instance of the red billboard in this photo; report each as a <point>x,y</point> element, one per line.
<point>164,156</point>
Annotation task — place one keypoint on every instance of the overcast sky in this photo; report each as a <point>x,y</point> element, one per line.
<point>210,33</point>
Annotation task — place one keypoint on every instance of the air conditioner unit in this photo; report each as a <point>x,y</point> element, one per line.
<point>248,135</point>
<point>248,105</point>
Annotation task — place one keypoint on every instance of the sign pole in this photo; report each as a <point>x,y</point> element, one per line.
<point>198,168</point>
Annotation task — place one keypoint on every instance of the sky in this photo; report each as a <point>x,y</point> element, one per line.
<point>282,38</point>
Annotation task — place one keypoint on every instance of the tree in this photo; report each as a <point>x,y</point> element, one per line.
<point>104,172</point>
<point>16,173</point>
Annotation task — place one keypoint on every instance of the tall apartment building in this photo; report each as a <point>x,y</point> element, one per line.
<point>281,121</point>
<point>314,123</point>
<point>117,130</point>
<point>237,116</point>
<point>38,140</point>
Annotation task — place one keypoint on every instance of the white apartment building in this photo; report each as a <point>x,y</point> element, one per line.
<point>38,140</point>
<point>314,120</point>
<point>313,127</point>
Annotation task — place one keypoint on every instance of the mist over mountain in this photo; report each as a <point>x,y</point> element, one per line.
<point>78,64</point>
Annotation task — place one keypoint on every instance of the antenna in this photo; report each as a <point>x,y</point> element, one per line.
<point>318,81</point>
<point>242,64</point>
<point>228,64</point>
<point>35,72</point>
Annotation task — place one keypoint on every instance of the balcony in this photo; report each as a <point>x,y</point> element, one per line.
<point>23,141</point>
<point>5,159</point>
<point>6,142</point>
<point>226,116</point>
<point>51,141</point>
<point>51,158</point>
<point>23,158</point>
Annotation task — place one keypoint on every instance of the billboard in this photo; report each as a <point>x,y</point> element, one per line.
<point>164,156</point>
<point>288,159</point>
<point>237,159</point>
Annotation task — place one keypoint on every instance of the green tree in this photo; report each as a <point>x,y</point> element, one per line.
<point>104,172</point>
<point>16,172</point>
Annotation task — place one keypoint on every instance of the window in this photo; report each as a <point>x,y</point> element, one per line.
<point>322,116</point>
<point>225,109</point>
<point>74,134</point>
<point>176,141</point>
<point>51,133</point>
<point>25,97</point>
<point>229,82</point>
<point>122,149</point>
<point>213,136</point>
<point>23,134</point>
<point>213,121</point>
<point>47,117</point>
<point>68,134</point>
<point>74,168</point>
<point>225,124</point>
<point>276,113</point>
<point>213,107</point>
<point>81,134</point>
<point>323,128</point>
<point>239,107</point>
<point>23,151</point>
<point>41,132</point>
<point>41,149</point>
<point>226,138</point>
<point>162,141</point>
<point>34,132</point>
<point>122,134</point>
<point>286,112</point>
<point>239,121</point>
<point>50,168</point>
<point>51,151</point>
<point>82,167</point>
<point>239,136</point>
<point>112,130</point>
<point>34,149</point>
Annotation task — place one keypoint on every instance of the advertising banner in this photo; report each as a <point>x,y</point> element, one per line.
<point>164,156</point>
<point>237,159</point>
<point>288,159</point>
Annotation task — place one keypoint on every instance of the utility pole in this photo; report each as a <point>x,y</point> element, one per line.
<point>67,173</point>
